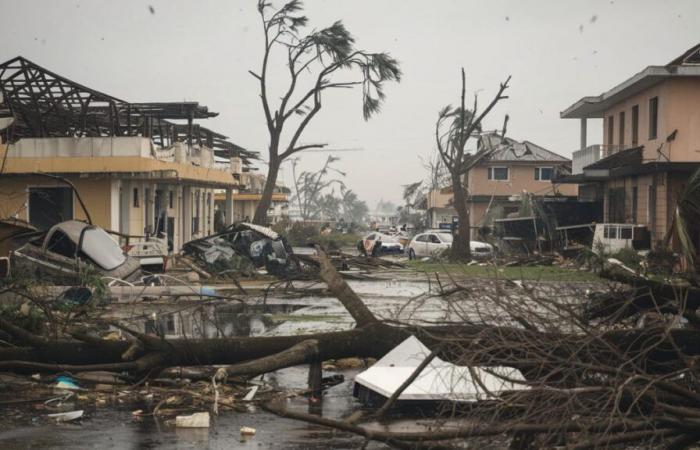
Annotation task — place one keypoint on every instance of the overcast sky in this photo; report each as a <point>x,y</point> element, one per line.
<point>556,52</point>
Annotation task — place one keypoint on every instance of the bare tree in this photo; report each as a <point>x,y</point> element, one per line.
<point>454,127</point>
<point>315,58</point>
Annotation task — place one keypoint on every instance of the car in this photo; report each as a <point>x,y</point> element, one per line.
<point>432,243</point>
<point>389,244</point>
<point>64,252</point>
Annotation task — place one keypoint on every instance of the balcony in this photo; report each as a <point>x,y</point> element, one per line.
<point>593,153</point>
<point>121,146</point>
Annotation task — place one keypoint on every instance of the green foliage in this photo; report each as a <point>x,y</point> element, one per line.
<point>300,234</point>
<point>629,257</point>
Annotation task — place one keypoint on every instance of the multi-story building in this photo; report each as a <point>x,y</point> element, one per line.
<point>651,144</point>
<point>138,168</point>
<point>497,184</point>
<point>247,196</point>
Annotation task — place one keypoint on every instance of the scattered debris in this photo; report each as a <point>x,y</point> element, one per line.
<point>196,420</point>
<point>67,416</point>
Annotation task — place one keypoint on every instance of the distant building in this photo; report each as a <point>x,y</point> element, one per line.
<point>651,135</point>
<point>248,195</point>
<point>137,170</point>
<point>496,185</point>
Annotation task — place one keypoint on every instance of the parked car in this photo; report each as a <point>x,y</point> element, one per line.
<point>434,242</point>
<point>389,244</point>
<point>68,248</point>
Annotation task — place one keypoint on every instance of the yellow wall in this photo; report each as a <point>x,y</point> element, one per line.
<point>95,193</point>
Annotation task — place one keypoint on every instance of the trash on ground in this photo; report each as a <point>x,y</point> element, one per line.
<point>196,420</point>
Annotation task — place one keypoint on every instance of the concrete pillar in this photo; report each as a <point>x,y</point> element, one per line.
<point>150,203</point>
<point>212,202</point>
<point>125,203</point>
<point>228,207</point>
<point>186,214</point>
<point>584,132</point>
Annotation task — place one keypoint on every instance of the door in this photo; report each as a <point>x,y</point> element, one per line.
<point>434,244</point>
<point>49,206</point>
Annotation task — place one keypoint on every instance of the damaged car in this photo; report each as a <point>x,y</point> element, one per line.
<point>241,244</point>
<point>68,249</point>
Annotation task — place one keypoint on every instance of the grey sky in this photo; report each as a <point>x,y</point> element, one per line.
<point>556,51</point>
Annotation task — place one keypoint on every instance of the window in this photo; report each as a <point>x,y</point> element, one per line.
<point>610,232</point>
<point>49,206</point>
<point>622,128</point>
<point>635,124</point>
<point>653,117</point>
<point>543,173</point>
<point>60,243</point>
<point>616,205</point>
<point>611,130</point>
<point>136,198</point>
<point>371,237</point>
<point>170,199</point>
<point>635,204</point>
<point>625,232</point>
<point>422,238</point>
<point>498,173</point>
<point>434,239</point>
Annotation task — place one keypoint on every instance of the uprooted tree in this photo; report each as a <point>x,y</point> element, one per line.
<point>314,62</point>
<point>453,129</point>
<point>587,384</point>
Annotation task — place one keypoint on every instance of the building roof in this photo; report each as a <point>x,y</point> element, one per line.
<point>510,150</point>
<point>686,65</point>
<point>45,104</point>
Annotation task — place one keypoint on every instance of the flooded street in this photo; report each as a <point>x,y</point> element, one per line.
<point>115,428</point>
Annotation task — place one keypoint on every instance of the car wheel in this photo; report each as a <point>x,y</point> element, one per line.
<point>411,254</point>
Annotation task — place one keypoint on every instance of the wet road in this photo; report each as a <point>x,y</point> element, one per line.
<point>109,428</point>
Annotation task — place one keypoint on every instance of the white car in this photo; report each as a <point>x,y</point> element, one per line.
<point>389,244</point>
<point>434,242</point>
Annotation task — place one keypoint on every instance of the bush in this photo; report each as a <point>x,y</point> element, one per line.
<point>629,257</point>
<point>300,234</point>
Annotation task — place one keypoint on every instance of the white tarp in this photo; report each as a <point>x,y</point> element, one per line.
<point>440,380</point>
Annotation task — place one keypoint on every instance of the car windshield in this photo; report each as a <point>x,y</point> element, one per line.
<point>101,249</point>
<point>445,237</point>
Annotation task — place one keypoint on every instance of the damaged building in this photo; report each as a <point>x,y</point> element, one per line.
<point>651,135</point>
<point>499,182</point>
<point>139,168</point>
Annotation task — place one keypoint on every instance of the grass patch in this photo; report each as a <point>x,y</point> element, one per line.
<point>544,273</point>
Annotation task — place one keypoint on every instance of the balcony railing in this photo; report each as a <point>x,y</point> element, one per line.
<point>592,153</point>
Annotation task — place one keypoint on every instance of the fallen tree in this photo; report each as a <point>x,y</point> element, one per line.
<point>587,385</point>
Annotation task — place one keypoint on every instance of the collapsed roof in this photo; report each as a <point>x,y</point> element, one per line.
<point>507,149</point>
<point>45,104</point>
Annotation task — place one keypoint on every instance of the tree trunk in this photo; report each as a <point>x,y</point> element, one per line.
<point>266,199</point>
<point>460,250</point>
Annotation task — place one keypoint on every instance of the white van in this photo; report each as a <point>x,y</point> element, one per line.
<point>613,237</point>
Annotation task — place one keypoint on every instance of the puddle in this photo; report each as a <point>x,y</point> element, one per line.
<point>110,428</point>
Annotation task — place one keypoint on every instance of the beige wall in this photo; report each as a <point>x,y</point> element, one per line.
<point>14,197</point>
<point>678,110</point>
<point>521,178</point>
